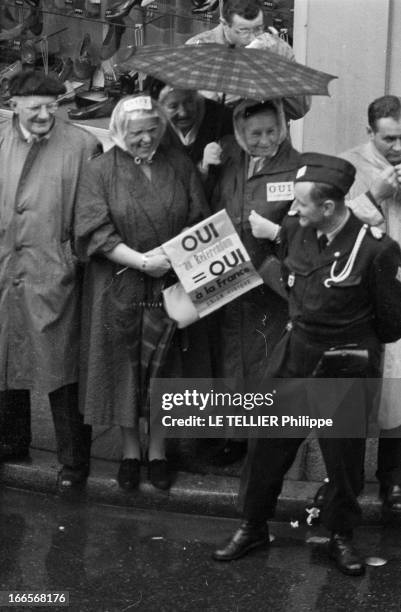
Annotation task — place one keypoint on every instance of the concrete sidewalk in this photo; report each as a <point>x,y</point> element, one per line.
<point>209,494</point>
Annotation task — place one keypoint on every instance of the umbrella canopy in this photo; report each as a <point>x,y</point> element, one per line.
<point>249,73</point>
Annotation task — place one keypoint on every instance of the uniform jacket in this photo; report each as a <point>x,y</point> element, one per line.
<point>118,204</point>
<point>39,284</point>
<point>366,302</point>
<point>294,107</point>
<point>252,323</point>
<point>369,163</point>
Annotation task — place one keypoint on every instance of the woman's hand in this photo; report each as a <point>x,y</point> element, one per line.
<point>155,263</point>
<point>263,228</point>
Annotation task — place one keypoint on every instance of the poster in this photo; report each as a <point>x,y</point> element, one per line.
<point>212,263</point>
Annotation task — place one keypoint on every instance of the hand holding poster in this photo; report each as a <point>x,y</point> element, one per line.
<point>212,263</point>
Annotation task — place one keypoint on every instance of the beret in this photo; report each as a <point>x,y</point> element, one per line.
<point>319,168</point>
<point>33,83</point>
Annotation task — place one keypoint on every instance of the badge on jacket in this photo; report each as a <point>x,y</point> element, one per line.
<point>291,280</point>
<point>276,192</point>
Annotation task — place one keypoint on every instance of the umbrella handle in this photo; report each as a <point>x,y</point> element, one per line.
<point>220,124</point>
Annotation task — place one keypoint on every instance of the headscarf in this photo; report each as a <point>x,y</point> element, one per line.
<point>130,108</point>
<point>192,134</point>
<point>239,127</point>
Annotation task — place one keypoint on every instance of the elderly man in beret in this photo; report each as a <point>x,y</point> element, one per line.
<point>342,289</point>
<point>41,160</point>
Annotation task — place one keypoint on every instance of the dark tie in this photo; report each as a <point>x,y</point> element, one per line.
<point>322,242</point>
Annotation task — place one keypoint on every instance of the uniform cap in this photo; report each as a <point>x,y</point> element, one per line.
<point>319,168</point>
<point>32,83</point>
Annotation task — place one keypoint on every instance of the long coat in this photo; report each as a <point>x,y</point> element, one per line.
<point>39,282</point>
<point>369,163</point>
<point>118,204</point>
<point>252,324</point>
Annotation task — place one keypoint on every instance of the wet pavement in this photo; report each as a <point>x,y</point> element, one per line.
<point>117,559</point>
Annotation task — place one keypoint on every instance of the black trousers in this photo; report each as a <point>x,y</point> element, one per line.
<point>389,458</point>
<point>269,459</point>
<point>73,438</point>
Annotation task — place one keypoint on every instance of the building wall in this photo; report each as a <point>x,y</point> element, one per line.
<point>360,42</point>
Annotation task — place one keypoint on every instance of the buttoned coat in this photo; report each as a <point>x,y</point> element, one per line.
<point>252,323</point>
<point>39,279</point>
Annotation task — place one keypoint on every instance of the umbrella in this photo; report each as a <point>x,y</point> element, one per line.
<point>250,73</point>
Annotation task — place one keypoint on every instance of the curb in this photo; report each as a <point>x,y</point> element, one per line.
<point>190,493</point>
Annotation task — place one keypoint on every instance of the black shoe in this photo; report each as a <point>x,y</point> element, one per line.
<point>344,554</point>
<point>246,538</point>
<point>391,497</point>
<point>158,474</point>
<point>70,477</point>
<point>11,453</point>
<point>94,111</point>
<point>121,9</point>
<point>232,451</point>
<point>320,496</point>
<point>129,474</point>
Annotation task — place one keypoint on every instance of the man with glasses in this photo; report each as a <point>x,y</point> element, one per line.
<point>241,23</point>
<point>41,160</point>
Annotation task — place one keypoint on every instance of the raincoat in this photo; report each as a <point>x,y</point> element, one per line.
<point>252,323</point>
<point>369,164</point>
<point>117,203</point>
<point>39,280</point>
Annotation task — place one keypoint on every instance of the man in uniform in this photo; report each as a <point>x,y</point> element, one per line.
<point>375,198</point>
<point>354,301</point>
<point>41,161</point>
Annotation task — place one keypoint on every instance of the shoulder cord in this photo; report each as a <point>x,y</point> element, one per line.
<point>346,271</point>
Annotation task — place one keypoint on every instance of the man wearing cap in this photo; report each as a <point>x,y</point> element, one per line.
<point>342,288</point>
<point>241,24</point>
<point>41,160</point>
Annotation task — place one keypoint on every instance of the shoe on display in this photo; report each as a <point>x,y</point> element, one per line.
<point>121,9</point>
<point>112,41</point>
<point>94,111</point>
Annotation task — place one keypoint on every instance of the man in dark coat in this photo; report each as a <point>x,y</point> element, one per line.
<point>342,288</point>
<point>41,160</point>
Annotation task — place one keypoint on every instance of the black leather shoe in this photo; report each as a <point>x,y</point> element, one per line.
<point>71,477</point>
<point>94,111</point>
<point>129,474</point>
<point>245,539</point>
<point>344,554</point>
<point>121,9</point>
<point>320,496</point>
<point>158,474</point>
<point>391,497</point>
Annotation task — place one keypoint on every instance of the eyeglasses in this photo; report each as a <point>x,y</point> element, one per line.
<point>243,32</point>
<point>51,107</point>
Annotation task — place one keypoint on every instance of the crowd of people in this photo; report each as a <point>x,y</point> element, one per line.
<point>82,271</point>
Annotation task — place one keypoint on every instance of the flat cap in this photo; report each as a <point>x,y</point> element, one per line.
<point>319,168</point>
<point>33,83</point>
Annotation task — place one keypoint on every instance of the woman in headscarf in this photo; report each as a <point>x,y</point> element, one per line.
<point>256,176</point>
<point>132,199</point>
